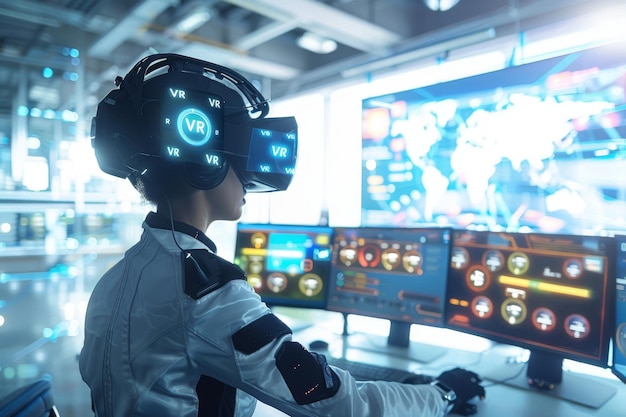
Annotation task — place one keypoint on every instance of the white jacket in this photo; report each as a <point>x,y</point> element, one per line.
<point>147,343</point>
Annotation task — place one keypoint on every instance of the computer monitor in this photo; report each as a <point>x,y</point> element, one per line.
<point>619,349</point>
<point>397,274</point>
<point>287,265</point>
<point>550,294</point>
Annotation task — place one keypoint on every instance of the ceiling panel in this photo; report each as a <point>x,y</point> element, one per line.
<point>256,37</point>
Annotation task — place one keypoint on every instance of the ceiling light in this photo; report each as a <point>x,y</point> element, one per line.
<point>316,43</point>
<point>420,53</point>
<point>440,5</point>
<point>193,21</point>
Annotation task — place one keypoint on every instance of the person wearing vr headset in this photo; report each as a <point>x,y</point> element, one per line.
<point>175,330</point>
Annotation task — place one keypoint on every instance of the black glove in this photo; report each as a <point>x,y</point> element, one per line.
<point>466,385</point>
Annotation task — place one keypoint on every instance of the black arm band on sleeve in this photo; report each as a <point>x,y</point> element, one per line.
<point>307,374</point>
<point>259,333</point>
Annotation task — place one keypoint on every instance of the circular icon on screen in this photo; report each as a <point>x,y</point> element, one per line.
<point>478,278</point>
<point>620,338</point>
<point>340,279</point>
<point>518,263</point>
<point>493,260</point>
<point>369,256</point>
<point>513,311</point>
<point>255,267</point>
<point>194,127</point>
<point>482,307</point>
<point>255,281</point>
<point>544,319</point>
<point>390,259</point>
<point>576,326</point>
<point>412,261</point>
<point>573,268</point>
<point>310,285</point>
<point>258,240</point>
<point>347,255</point>
<point>459,258</point>
<point>276,282</point>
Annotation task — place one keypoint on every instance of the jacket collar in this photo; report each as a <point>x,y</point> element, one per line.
<point>157,221</point>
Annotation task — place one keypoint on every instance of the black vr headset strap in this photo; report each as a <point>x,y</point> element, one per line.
<point>133,81</point>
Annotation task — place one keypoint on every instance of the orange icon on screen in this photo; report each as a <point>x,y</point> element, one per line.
<point>412,262</point>
<point>258,240</point>
<point>347,255</point>
<point>369,256</point>
<point>307,265</point>
<point>459,258</point>
<point>478,278</point>
<point>544,319</point>
<point>482,307</point>
<point>376,123</point>
<point>577,326</point>
<point>390,259</point>
<point>276,282</point>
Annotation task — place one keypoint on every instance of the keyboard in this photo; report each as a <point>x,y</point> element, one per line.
<point>367,372</point>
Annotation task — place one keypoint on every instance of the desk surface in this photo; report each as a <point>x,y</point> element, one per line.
<point>504,378</point>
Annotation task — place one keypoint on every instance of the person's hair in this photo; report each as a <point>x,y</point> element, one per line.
<point>160,184</point>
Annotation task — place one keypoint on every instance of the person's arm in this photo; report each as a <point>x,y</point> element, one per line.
<point>234,337</point>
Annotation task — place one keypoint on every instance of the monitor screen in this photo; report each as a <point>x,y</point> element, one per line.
<point>391,273</point>
<point>287,265</point>
<point>530,148</point>
<point>272,151</point>
<point>551,294</point>
<point>192,126</point>
<point>619,350</point>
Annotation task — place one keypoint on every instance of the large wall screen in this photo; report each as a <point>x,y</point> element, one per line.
<point>530,148</point>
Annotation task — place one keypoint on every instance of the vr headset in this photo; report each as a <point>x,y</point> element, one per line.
<point>172,111</point>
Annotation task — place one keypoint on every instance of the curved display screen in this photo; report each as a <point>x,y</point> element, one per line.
<point>552,293</point>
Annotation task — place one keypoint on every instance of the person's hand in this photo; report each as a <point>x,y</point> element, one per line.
<point>466,385</point>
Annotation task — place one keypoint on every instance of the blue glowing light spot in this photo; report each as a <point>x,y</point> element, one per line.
<point>22,111</point>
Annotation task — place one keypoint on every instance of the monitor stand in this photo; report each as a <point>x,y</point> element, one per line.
<point>544,374</point>
<point>397,343</point>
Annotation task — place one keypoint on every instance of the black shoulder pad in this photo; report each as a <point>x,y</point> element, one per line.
<point>205,272</point>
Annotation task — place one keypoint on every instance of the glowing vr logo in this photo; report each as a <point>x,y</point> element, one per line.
<point>194,127</point>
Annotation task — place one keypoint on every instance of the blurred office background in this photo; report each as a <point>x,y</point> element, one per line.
<point>63,222</point>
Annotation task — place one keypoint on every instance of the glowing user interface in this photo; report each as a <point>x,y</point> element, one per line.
<point>191,127</point>
<point>286,265</point>
<point>501,149</point>
<point>396,274</point>
<point>547,291</point>
<point>272,151</point>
